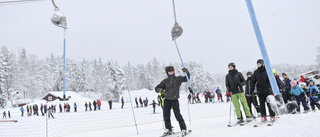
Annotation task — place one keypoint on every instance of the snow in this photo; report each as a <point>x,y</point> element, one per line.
<point>207,119</point>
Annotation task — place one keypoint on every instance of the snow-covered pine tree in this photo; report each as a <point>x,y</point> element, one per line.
<point>117,80</point>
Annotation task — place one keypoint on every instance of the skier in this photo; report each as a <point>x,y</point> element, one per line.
<point>302,79</point>
<point>189,98</point>
<point>86,106</point>
<point>110,104</point>
<point>99,104</point>
<point>28,111</point>
<point>75,107</point>
<point>154,106</point>
<point>122,103</point>
<point>234,83</point>
<point>170,88</point>
<point>286,94</point>
<point>198,99</point>
<point>299,94</point>
<point>280,84</point>
<point>21,109</point>
<point>60,108</point>
<point>64,107</point>
<point>50,112</point>
<point>251,96</point>
<point>94,105</point>
<point>137,104</point>
<point>313,91</point>
<point>90,106</point>
<point>228,95</point>
<point>141,103</point>
<point>41,109</point>
<point>218,91</point>
<point>36,110</point>
<point>146,102</point>
<point>9,114</point>
<point>261,80</point>
<point>4,115</point>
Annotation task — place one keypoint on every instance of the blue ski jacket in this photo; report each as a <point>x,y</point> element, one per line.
<point>297,91</point>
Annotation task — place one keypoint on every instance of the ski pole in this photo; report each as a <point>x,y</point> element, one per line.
<point>134,116</point>
<point>230,114</point>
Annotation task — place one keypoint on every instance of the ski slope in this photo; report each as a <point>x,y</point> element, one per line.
<point>207,119</point>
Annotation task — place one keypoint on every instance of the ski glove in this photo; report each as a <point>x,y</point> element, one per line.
<point>185,70</point>
<point>161,91</point>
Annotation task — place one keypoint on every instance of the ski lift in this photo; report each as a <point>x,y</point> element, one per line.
<point>176,31</point>
<point>58,18</point>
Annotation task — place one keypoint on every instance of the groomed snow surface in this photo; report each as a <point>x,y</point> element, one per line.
<point>207,119</point>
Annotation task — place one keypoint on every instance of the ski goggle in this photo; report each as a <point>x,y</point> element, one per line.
<point>170,69</point>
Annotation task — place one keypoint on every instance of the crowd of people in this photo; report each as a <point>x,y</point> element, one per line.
<point>257,85</point>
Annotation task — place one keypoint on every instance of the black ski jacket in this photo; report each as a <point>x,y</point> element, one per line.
<point>261,79</point>
<point>171,85</point>
<point>234,81</point>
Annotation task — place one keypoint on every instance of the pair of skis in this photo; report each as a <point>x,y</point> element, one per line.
<point>270,123</point>
<point>177,134</point>
<point>241,124</point>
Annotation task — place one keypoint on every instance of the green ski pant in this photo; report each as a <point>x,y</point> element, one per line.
<point>236,104</point>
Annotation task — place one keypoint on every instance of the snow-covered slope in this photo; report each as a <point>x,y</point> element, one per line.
<point>207,119</point>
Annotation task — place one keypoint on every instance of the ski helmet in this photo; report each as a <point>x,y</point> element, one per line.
<point>249,73</point>
<point>232,64</point>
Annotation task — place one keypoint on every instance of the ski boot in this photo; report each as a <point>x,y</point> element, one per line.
<point>263,119</point>
<point>167,132</point>
<point>240,120</point>
<point>184,132</point>
<point>314,110</point>
<point>272,119</point>
<point>249,119</point>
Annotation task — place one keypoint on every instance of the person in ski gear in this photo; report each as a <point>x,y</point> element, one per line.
<point>154,106</point>
<point>228,95</point>
<point>260,80</point>
<point>251,96</point>
<point>41,109</point>
<point>86,106</point>
<point>189,98</point>
<point>50,112</point>
<point>299,94</point>
<point>313,91</point>
<point>146,102</point>
<point>21,109</point>
<point>197,98</point>
<point>234,83</point>
<point>4,115</point>
<point>170,88</point>
<point>218,91</point>
<point>110,104</point>
<point>99,104</point>
<point>90,106</point>
<point>141,103</point>
<point>94,105</point>
<point>9,114</point>
<point>286,94</point>
<point>122,103</point>
<point>137,104</point>
<point>302,79</point>
<point>75,107</point>
<point>60,107</point>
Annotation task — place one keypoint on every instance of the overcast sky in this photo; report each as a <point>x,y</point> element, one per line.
<point>216,32</point>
